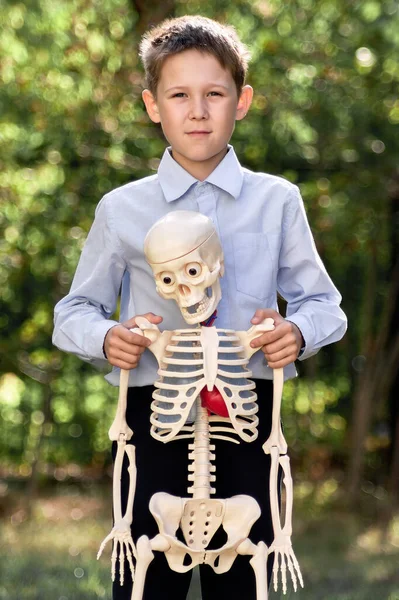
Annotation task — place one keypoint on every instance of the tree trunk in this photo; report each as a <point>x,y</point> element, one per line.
<point>153,12</point>
<point>33,481</point>
<point>376,383</point>
<point>362,399</point>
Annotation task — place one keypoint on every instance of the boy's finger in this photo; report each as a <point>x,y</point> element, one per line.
<point>286,353</point>
<point>151,317</point>
<point>278,345</point>
<point>120,345</point>
<point>268,337</point>
<point>126,357</point>
<point>261,340</point>
<point>263,313</point>
<point>130,337</point>
<point>139,340</point>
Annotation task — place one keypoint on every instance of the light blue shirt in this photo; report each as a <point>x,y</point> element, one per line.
<point>268,248</point>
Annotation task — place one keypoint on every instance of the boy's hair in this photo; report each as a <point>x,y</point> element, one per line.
<point>193,33</point>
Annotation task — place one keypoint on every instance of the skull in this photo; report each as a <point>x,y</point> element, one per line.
<point>186,257</point>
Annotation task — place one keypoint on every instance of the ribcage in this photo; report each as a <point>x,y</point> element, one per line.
<point>236,389</point>
<point>182,378</point>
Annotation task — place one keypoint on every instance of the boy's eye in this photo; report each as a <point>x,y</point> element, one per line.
<point>215,94</point>
<point>178,95</point>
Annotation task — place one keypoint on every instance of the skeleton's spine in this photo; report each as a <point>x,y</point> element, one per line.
<point>201,455</point>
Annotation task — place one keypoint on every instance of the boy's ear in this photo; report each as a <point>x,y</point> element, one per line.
<point>151,106</point>
<point>244,102</point>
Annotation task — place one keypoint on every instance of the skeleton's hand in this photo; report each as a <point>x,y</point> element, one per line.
<point>123,546</point>
<point>122,347</point>
<point>284,558</point>
<point>280,346</point>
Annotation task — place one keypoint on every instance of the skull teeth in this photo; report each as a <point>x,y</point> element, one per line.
<point>199,308</point>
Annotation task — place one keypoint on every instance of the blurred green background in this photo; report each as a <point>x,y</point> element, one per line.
<point>72,127</point>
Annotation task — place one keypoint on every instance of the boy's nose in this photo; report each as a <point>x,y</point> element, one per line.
<point>198,110</point>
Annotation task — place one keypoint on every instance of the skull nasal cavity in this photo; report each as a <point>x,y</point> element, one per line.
<point>184,290</point>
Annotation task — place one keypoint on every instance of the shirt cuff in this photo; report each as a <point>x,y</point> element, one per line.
<point>97,335</point>
<point>307,333</point>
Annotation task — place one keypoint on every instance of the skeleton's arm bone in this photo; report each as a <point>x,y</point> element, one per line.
<point>276,437</point>
<point>121,433</point>
<point>119,425</point>
<point>255,331</point>
<point>282,547</point>
<point>121,534</point>
<point>159,340</point>
<point>273,484</point>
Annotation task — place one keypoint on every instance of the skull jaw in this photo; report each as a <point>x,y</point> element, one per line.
<point>204,308</point>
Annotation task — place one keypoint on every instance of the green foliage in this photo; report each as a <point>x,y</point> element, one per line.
<point>52,556</point>
<point>72,126</point>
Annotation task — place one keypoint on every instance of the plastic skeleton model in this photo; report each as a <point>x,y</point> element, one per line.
<point>202,370</point>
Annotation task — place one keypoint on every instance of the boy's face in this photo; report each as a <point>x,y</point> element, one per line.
<point>197,106</point>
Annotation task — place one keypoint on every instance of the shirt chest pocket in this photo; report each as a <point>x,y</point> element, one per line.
<point>254,266</point>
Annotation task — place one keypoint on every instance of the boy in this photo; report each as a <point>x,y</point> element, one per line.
<point>195,71</point>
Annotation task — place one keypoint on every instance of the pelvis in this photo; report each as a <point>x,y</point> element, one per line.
<point>199,519</point>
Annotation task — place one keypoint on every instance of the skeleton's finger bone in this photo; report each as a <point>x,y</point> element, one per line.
<point>283,573</point>
<point>297,568</point>
<point>275,571</point>
<point>133,547</point>
<point>292,570</point>
<point>113,559</point>
<point>121,562</point>
<point>129,557</point>
<point>104,543</point>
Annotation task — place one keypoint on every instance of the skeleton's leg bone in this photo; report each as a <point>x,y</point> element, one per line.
<point>258,562</point>
<point>283,553</point>
<point>276,437</point>
<point>145,556</point>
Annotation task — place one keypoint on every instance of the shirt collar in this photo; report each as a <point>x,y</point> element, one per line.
<point>176,181</point>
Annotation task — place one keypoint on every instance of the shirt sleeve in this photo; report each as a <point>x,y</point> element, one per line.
<point>82,318</point>
<point>313,302</point>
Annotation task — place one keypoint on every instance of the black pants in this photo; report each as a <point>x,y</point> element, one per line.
<point>240,469</point>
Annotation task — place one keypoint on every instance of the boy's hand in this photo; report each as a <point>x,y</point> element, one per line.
<point>280,346</point>
<point>122,347</point>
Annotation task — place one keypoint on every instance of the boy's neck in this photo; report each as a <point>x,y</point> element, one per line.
<point>200,169</point>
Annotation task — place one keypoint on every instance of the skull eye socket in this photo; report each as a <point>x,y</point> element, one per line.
<point>167,278</point>
<point>193,269</point>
